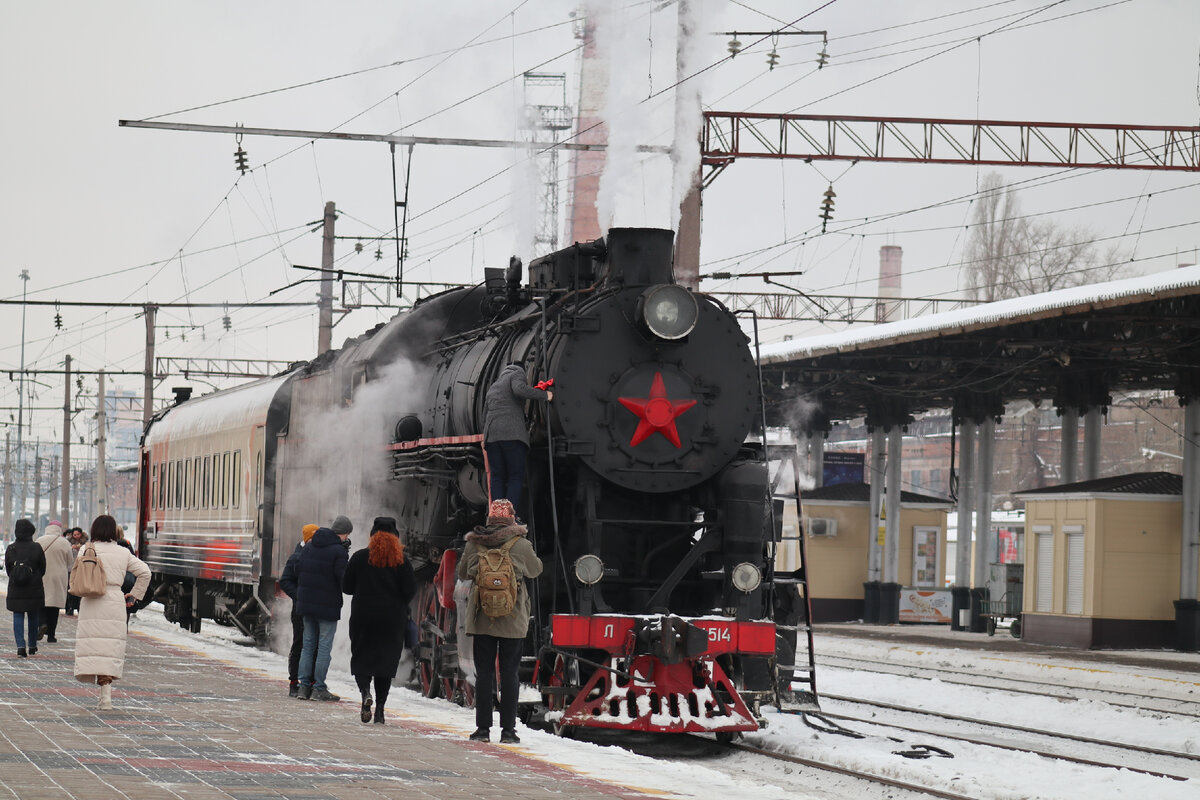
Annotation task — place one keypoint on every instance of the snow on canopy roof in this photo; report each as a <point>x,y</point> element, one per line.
<point>1184,280</point>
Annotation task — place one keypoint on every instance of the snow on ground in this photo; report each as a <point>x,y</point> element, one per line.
<point>975,771</point>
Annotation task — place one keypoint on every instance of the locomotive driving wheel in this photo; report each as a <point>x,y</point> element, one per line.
<point>559,691</point>
<point>430,647</point>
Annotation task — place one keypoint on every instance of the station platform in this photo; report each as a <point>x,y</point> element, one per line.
<point>192,725</point>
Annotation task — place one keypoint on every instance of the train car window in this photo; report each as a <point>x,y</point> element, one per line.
<point>170,484</point>
<point>236,494</point>
<point>153,483</point>
<point>162,485</point>
<point>205,481</point>
<point>225,480</point>
<point>187,483</point>
<point>196,482</point>
<point>178,484</point>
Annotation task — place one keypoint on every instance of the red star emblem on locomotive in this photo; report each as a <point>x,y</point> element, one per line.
<point>656,413</point>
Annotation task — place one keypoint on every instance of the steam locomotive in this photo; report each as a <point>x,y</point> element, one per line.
<point>657,607</point>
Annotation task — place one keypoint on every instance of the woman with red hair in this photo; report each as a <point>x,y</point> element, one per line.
<point>382,584</point>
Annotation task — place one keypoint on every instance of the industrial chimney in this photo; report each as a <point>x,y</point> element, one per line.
<point>888,310</point>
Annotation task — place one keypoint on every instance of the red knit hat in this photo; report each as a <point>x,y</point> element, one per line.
<point>501,512</point>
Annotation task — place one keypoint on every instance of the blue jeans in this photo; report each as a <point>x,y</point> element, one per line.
<point>318,642</point>
<point>19,625</point>
<point>506,463</point>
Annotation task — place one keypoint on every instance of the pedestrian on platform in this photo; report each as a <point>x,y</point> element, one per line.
<point>76,537</point>
<point>382,583</point>
<point>25,563</point>
<point>506,433</point>
<point>319,572</point>
<point>287,582</point>
<point>100,637</point>
<point>503,635</point>
<point>59,558</point>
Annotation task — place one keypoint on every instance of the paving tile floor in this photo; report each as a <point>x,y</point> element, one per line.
<point>187,726</point>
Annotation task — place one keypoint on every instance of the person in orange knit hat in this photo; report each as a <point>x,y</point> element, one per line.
<point>287,582</point>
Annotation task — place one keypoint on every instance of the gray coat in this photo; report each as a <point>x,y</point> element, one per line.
<point>504,415</point>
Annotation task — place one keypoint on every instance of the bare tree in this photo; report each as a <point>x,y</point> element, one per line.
<point>1009,255</point>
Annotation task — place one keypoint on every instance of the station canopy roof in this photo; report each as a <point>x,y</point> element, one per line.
<point>1064,346</point>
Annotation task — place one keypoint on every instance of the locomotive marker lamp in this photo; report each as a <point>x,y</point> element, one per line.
<point>669,311</point>
<point>746,577</point>
<point>589,569</point>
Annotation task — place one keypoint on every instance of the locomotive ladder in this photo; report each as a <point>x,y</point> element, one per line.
<point>800,694</point>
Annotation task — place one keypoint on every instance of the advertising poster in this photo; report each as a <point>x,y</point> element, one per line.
<point>919,606</point>
<point>842,468</point>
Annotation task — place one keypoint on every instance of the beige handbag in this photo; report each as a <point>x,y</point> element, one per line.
<point>87,578</point>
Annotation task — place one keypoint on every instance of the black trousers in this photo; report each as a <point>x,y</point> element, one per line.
<point>383,686</point>
<point>506,462</point>
<point>50,620</point>
<point>297,646</point>
<point>485,649</point>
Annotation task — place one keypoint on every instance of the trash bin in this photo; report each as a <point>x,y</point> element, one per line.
<point>871,602</point>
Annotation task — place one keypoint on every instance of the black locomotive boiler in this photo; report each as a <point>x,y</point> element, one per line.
<point>652,514</point>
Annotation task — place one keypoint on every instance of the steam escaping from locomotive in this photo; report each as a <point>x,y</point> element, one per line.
<point>646,496</point>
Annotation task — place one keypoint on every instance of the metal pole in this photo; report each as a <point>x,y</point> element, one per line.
<point>66,446</point>
<point>891,569</point>
<point>8,484</point>
<point>1189,571</point>
<point>1091,444</point>
<point>325,304</point>
<point>983,502</point>
<point>21,398</point>
<point>1070,445</point>
<point>101,478</point>
<point>966,485</point>
<point>874,541</point>
<point>148,386</point>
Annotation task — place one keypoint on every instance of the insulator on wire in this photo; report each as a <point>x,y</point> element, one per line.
<point>358,247</point>
<point>735,46</point>
<point>823,56</point>
<point>240,157</point>
<point>773,56</point>
<point>378,253</point>
<point>827,207</point>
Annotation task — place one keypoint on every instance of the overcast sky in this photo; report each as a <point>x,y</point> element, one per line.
<point>100,213</point>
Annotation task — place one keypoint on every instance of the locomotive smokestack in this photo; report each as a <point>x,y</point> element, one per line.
<point>182,394</point>
<point>887,310</point>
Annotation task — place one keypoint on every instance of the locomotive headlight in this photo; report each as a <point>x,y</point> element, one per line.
<point>669,311</point>
<point>746,577</point>
<point>589,569</point>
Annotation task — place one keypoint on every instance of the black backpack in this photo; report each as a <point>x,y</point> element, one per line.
<point>21,574</point>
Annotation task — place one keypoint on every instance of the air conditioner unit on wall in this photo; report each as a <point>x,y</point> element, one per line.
<point>821,526</point>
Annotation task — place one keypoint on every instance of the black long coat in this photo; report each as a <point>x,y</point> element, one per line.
<point>378,613</point>
<point>31,596</point>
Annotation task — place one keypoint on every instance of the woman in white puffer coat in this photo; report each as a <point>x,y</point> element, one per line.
<point>100,638</point>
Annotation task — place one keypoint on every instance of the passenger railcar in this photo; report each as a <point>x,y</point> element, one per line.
<point>657,608</point>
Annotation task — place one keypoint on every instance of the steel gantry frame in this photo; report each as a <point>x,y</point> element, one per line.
<point>729,135</point>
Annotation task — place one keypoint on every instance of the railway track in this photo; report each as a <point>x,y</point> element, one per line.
<point>1147,702</point>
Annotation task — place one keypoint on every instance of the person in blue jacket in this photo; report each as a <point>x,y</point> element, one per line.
<point>287,582</point>
<point>319,571</point>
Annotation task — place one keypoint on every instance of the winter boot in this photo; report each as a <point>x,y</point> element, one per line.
<point>481,735</point>
<point>21,653</point>
<point>365,714</point>
<point>293,688</point>
<point>325,694</point>
<point>32,650</point>
<point>509,736</point>
<point>105,703</point>
<point>304,693</point>
<point>378,716</point>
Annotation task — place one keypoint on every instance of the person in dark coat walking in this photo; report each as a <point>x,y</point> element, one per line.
<point>319,572</point>
<point>25,563</point>
<point>506,433</point>
<point>501,636</point>
<point>287,582</point>
<point>382,584</point>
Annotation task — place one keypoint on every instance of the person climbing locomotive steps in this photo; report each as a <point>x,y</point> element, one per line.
<point>506,433</point>
<point>492,549</point>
